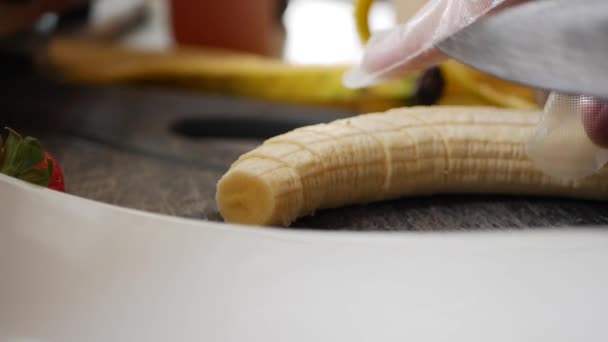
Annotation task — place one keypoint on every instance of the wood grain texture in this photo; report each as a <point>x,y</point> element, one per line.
<point>119,146</point>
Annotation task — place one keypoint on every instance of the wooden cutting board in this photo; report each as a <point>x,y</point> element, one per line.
<point>163,151</point>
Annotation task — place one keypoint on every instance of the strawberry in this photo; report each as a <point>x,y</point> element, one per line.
<point>56,182</point>
<point>26,159</point>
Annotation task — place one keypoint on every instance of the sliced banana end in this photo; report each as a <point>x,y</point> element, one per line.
<point>245,199</point>
<point>260,192</point>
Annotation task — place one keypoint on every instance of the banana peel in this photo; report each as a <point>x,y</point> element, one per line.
<point>467,86</point>
<point>251,76</point>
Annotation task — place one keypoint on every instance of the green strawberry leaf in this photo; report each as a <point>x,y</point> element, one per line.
<point>29,155</point>
<point>20,155</point>
<point>20,158</point>
<point>10,152</point>
<point>37,176</point>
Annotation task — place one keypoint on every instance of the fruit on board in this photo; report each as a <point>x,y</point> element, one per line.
<point>26,159</point>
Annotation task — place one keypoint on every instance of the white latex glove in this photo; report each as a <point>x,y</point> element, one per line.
<point>409,47</point>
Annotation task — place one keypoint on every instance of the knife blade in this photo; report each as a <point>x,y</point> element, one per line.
<point>557,45</point>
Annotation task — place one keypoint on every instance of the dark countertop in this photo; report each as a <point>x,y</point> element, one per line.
<point>163,151</point>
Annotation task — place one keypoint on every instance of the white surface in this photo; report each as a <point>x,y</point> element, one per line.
<point>324,31</point>
<point>74,270</point>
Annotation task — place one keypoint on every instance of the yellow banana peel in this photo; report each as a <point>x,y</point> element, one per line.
<point>252,76</point>
<point>223,72</point>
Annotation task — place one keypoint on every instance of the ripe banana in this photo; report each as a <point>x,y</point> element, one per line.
<point>379,156</point>
<point>224,72</point>
<point>362,10</point>
<point>245,75</point>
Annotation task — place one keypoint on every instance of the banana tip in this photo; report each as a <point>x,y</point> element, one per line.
<point>244,199</point>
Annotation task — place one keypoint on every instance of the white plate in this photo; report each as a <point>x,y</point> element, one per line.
<point>74,270</point>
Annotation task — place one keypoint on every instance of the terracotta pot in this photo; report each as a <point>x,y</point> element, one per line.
<point>245,25</point>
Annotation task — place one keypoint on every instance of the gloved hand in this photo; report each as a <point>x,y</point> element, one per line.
<point>409,47</point>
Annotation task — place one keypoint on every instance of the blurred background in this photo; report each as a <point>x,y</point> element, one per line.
<point>282,51</point>
<point>300,31</point>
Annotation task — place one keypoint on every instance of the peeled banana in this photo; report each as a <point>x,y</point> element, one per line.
<point>379,156</point>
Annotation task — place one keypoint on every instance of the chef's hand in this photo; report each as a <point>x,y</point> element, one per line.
<point>409,48</point>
